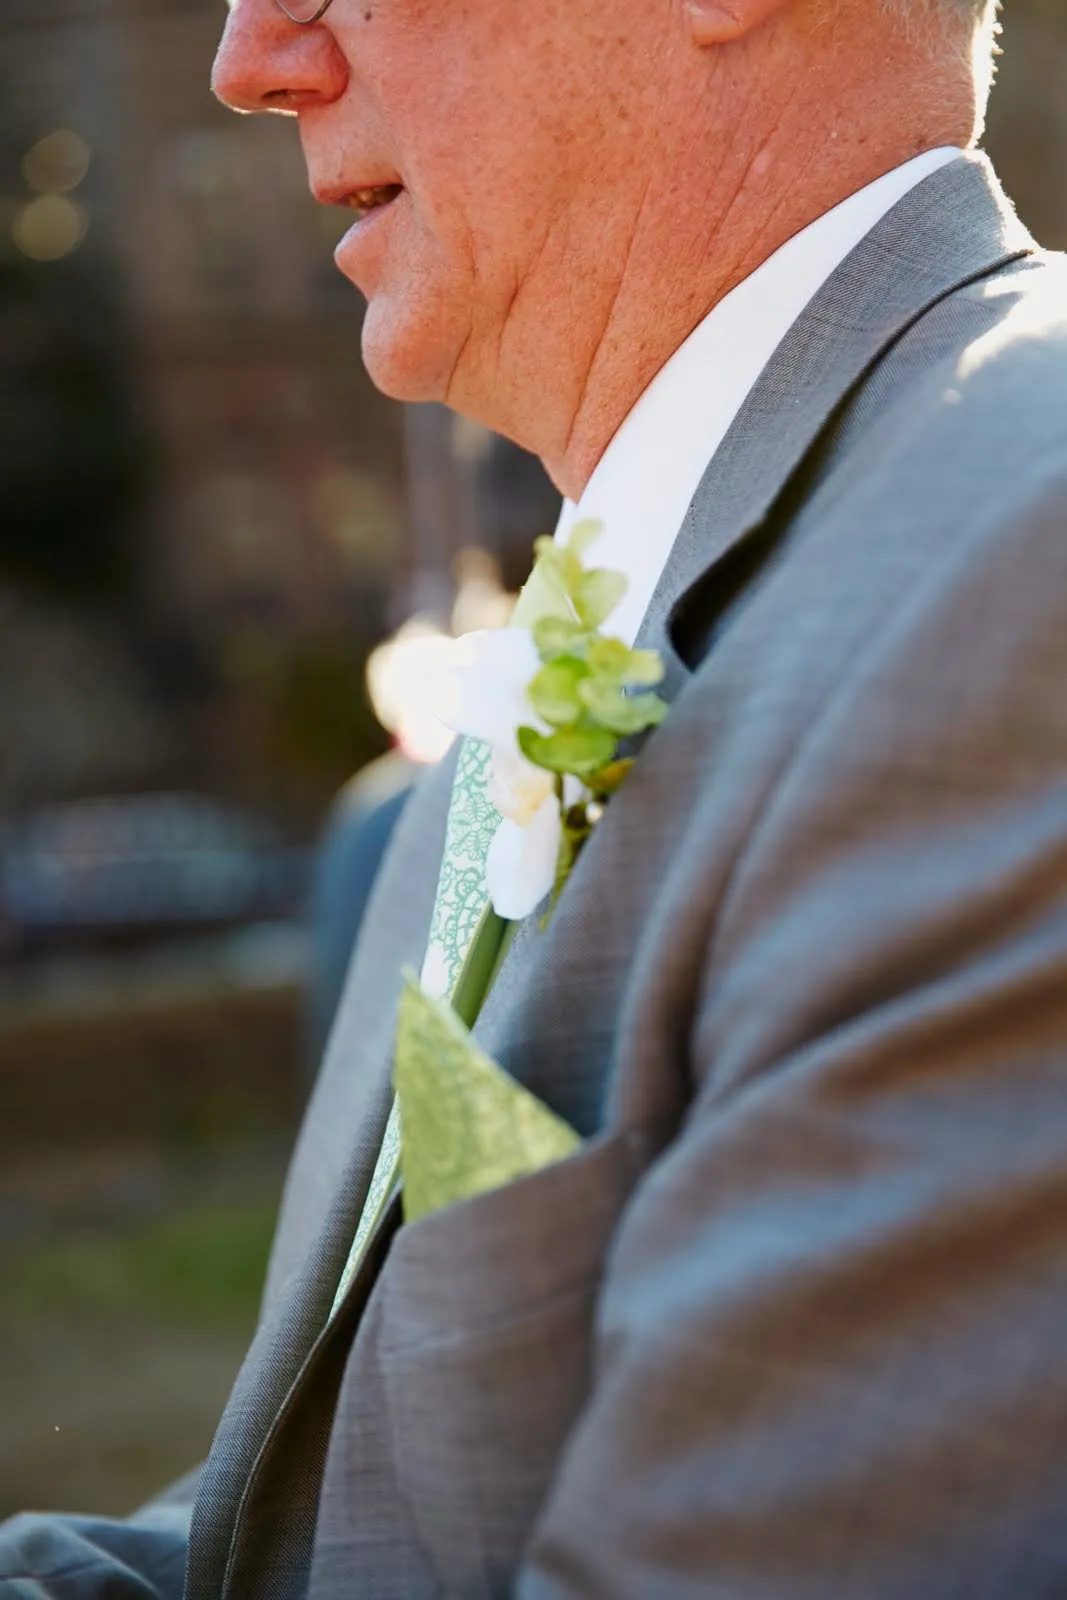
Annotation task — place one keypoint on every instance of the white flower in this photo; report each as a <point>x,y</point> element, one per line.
<point>482,687</point>
<point>398,674</point>
<point>520,868</point>
<point>483,695</point>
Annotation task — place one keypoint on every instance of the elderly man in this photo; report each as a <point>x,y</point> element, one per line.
<point>792,1321</point>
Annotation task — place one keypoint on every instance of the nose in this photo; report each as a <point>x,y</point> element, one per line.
<point>265,62</point>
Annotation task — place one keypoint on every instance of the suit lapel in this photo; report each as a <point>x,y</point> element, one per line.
<point>952,228</point>
<point>327,1183</point>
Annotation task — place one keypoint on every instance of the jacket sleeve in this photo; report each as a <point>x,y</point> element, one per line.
<point>141,1557</point>
<point>832,1337</point>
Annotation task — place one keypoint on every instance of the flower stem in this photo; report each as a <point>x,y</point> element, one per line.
<point>490,942</point>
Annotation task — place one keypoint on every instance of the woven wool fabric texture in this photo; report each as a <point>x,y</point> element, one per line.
<point>791,1323</point>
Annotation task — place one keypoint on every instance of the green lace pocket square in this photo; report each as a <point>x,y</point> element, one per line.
<point>466,1126</point>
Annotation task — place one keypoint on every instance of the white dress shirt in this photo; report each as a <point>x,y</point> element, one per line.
<point>641,487</point>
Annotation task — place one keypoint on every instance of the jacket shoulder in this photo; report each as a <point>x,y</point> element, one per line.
<point>1019,339</point>
<point>976,387</point>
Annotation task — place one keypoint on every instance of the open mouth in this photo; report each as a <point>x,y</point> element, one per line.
<point>364,201</point>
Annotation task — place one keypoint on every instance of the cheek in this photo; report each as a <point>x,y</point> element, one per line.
<point>419,306</point>
<point>486,209</point>
<point>489,139</point>
<point>481,143</point>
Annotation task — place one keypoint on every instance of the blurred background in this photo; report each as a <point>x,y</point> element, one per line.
<point>209,522</point>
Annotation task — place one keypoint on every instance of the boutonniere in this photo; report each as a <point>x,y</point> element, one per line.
<point>554,701</point>
<point>553,696</point>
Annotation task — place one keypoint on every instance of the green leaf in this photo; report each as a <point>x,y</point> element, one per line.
<point>558,636</point>
<point>648,711</point>
<point>577,750</point>
<point>553,693</point>
<point>644,669</point>
<point>621,713</point>
<point>596,594</point>
<point>609,778</point>
<point>583,535</point>
<point>560,565</point>
<point>551,566</point>
<point>610,659</point>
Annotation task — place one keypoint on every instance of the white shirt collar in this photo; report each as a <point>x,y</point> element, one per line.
<point>643,483</point>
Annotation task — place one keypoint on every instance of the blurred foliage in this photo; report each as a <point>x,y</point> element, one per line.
<point>118,1347</point>
<point>204,1265</point>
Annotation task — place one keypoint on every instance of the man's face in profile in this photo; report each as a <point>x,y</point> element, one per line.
<point>481,144</point>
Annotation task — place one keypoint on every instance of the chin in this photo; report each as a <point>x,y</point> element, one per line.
<point>405,355</point>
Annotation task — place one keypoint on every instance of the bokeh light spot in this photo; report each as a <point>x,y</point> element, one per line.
<point>49,228</point>
<point>57,163</point>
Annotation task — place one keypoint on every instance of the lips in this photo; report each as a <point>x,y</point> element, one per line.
<point>372,203</point>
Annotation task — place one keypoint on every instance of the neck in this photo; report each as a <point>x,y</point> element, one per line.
<point>725,208</point>
<point>635,344</point>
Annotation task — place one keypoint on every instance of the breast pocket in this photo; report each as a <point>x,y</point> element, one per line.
<point>485,1347</point>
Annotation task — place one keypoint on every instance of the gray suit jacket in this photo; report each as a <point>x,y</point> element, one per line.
<point>793,1323</point>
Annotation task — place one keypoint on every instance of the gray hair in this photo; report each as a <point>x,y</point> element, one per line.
<point>951,10</point>
<point>919,15</point>
<point>968,27</point>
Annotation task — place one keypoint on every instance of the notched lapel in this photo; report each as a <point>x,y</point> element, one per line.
<point>954,227</point>
<point>327,1186</point>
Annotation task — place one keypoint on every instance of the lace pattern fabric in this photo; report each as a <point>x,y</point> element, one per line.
<point>461,899</point>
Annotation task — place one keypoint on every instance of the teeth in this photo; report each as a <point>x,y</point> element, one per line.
<point>370,199</point>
